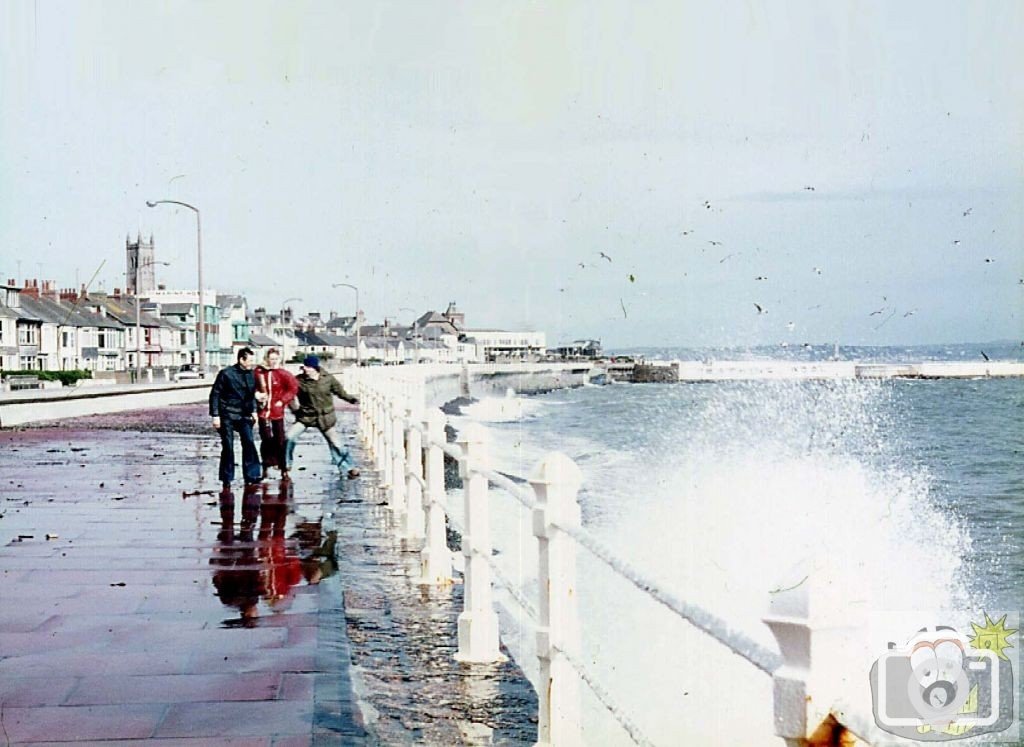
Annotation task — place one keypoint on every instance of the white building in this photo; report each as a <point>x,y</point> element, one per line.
<point>501,344</point>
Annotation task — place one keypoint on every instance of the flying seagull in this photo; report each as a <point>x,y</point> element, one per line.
<point>715,243</point>
<point>624,314</point>
<point>583,266</point>
<point>809,189</point>
<point>817,270</point>
<point>967,212</point>
<point>989,260</point>
<point>727,257</point>
<point>984,356</point>
<point>760,309</point>
<point>605,256</point>
<point>910,313</point>
<point>956,242</point>
<point>760,277</point>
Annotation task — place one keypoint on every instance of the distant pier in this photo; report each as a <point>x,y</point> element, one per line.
<point>680,371</point>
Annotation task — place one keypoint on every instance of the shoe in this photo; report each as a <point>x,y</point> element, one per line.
<point>353,473</point>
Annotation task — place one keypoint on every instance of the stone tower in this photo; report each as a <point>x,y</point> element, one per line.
<point>140,253</point>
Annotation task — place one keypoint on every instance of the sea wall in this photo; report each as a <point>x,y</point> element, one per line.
<point>445,383</point>
<point>19,408</point>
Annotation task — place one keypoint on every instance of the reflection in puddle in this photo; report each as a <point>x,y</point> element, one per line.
<point>256,567</point>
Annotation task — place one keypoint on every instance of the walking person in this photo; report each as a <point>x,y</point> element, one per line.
<point>233,409</point>
<point>314,408</point>
<point>276,388</point>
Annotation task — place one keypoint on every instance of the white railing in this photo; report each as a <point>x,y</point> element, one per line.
<point>407,443</point>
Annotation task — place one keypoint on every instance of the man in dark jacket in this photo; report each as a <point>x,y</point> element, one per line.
<point>314,408</point>
<point>233,409</point>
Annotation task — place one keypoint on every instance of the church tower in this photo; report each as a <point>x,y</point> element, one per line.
<point>140,254</point>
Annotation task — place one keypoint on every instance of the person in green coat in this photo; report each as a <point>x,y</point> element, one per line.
<point>314,408</point>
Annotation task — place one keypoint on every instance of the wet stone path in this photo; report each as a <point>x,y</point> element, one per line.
<point>139,602</point>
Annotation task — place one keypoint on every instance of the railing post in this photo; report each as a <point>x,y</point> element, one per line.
<point>556,483</point>
<point>811,639</point>
<point>435,557</point>
<point>477,624</point>
<point>396,499</point>
<point>414,519</point>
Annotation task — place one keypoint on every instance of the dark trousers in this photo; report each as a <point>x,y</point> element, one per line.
<point>250,459</point>
<point>272,442</point>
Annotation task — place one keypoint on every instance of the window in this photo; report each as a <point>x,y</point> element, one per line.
<point>28,335</point>
<point>67,339</point>
<point>25,362</point>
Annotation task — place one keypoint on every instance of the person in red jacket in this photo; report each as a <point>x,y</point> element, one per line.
<point>275,388</point>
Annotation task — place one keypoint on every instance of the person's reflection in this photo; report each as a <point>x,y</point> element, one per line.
<point>282,570</point>
<point>318,551</point>
<point>237,578</point>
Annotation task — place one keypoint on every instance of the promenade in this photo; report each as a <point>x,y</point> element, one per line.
<point>141,603</point>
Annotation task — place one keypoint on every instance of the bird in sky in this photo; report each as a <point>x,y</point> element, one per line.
<point>760,309</point>
<point>715,243</point>
<point>707,204</point>
<point>878,311</point>
<point>624,314</point>
<point>985,356</point>
<point>605,256</point>
<point>790,326</point>
<point>817,270</point>
<point>687,232</point>
<point>989,260</point>
<point>910,313</point>
<point>761,277</point>
<point>967,212</point>
<point>632,278</point>
<point>808,189</point>
<point>727,257</point>
<point>956,242</point>
<point>583,266</point>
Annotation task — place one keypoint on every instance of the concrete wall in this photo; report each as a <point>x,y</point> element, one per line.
<point>445,383</point>
<point>32,407</point>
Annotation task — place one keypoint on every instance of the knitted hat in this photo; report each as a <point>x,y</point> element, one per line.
<point>311,361</point>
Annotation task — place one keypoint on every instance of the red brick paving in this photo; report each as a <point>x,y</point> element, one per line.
<point>130,623</point>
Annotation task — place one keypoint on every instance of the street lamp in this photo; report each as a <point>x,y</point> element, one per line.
<point>200,322</point>
<point>138,315</point>
<point>359,356</point>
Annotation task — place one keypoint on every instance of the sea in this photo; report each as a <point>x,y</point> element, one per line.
<point>891,499</point>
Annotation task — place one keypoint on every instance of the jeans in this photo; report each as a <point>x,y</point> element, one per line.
<point>272,442</point>
<point>250,458</point>
<point>339,454</point>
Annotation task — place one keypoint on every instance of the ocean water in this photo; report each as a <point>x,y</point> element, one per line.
<point>887,495</point>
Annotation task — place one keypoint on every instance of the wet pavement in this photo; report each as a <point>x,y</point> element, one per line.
<point>140,602</point>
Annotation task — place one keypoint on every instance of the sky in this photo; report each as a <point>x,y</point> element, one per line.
<point>752,172</point>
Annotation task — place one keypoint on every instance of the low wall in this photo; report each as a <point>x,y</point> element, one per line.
<point>445,383</point>
<point>32,407</point>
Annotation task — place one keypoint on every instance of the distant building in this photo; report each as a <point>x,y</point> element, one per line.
<point>579,349</point>
<point>500,344</point>
<point>140,254</point>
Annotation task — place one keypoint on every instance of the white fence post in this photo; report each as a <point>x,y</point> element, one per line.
<point>396,498</point>
<point>435,557</point>
<point>556,483</point>
<point>414,519</point>
<point>477,624</point>
<point>809,635</point>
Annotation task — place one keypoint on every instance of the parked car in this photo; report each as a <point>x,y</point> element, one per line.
<point>189,371</point>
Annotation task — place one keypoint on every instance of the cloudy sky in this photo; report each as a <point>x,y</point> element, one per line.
<point>822,160</point>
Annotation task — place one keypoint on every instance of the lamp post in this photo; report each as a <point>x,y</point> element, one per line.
<point>138,315</point>
<point>200,317</point>
<point>359,355</point>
